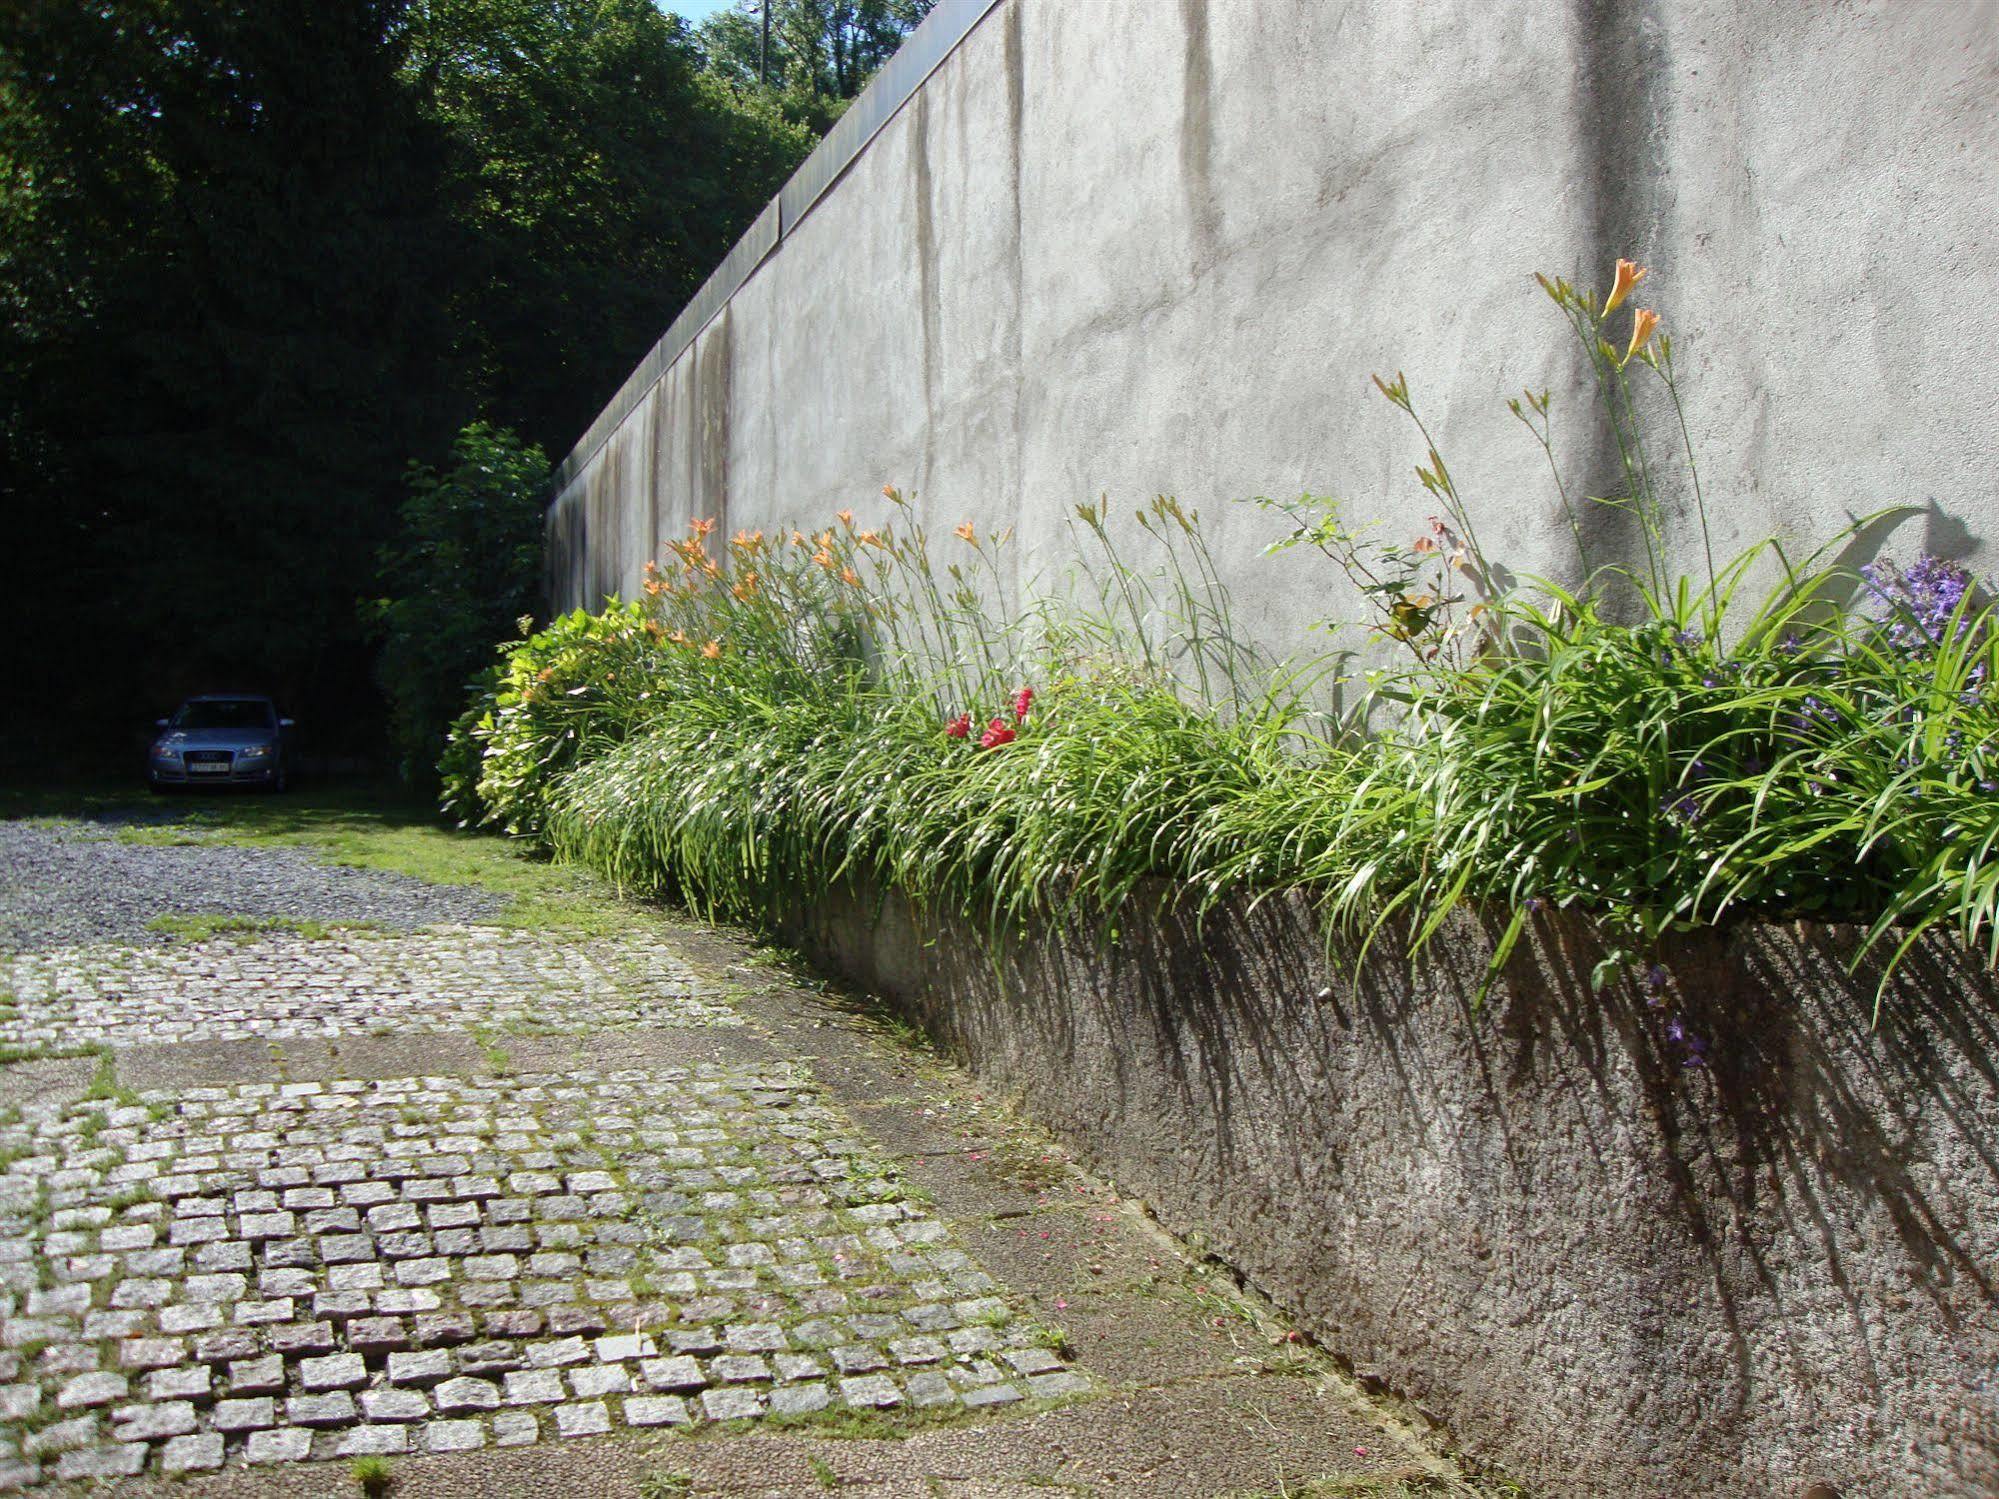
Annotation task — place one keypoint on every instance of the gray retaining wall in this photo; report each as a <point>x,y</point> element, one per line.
<point>1607,1271</point>
<point>1142,246</point>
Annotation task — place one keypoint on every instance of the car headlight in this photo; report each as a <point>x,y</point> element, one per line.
<point>254,751</point>
<point>161,752</point>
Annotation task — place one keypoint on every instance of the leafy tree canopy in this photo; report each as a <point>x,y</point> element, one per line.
<point>816,54</point>
<point>256,256</point>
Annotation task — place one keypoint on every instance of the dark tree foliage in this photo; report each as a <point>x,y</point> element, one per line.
<point>225,245</point>
<point>462,571</point>
<point>256,256</point>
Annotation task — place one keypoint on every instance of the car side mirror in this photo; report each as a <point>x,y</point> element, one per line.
<point>159,723</point>
<point>288,723</point>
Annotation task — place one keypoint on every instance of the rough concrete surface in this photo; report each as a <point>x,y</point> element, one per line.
<point>1152,246</point>
<point>1713,1231</point>
<point>743,1241</point>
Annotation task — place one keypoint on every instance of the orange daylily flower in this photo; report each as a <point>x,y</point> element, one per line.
<point>823,557</point>
<point>749,541</point>
<point>844,517</point>
<point>967,532</point>
<point>746,587</point>
<point>712,650</point>
<point>1629,274</point>
<point>851,578</point>
<point>1643,322</point>
<point>678,637</point>
<point>870,538</point>
<point>701,528</point>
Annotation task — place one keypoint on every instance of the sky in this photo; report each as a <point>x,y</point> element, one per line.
<point>695,10</point>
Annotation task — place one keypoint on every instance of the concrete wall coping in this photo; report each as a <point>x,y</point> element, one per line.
<point>893,86</point>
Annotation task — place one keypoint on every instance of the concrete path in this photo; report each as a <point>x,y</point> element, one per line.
<point>532,1212</point>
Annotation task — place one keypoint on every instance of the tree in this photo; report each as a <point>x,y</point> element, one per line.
<point>225,246</point>
<point>256,255</point>
<point>607,176</point>
<point>464,569</point>
<point>821,52</point>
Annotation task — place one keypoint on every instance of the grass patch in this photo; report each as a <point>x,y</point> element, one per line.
<point>373,1475</point>
<point>36,1051</point>
<point>208,926</point>
<point>105,1087</point>
<point>498,1061</point>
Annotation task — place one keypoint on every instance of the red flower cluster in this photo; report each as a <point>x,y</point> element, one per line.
<point>999,731</point>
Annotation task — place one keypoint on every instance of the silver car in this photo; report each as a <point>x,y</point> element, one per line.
<point>222,740</point>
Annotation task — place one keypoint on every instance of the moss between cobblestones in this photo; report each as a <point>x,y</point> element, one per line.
<point>208,926</point>
<point>1413,1483</point>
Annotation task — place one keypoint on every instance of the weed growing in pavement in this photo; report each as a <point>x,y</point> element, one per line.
<point>373,1475</point>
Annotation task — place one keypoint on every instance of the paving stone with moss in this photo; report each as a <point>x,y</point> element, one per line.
<point>719,1233</point>
<point>350,983</point>
<point>428,1264</point>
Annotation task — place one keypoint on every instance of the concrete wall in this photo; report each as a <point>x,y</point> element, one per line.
<point>1138,246</point>
<point>1609,1272</point>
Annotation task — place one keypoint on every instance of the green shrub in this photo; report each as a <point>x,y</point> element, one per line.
<point>779,714</point>
<point>466,566</point>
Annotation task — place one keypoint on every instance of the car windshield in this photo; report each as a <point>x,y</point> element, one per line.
<point>224,713</point>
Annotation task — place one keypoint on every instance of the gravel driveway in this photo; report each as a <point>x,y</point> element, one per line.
<point>65,884</point>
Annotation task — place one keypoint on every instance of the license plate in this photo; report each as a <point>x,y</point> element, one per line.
<point>208,767</point>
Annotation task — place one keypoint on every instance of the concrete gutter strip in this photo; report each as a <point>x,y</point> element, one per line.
<point>894,86</point>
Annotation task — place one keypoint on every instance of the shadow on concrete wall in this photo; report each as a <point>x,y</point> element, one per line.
<point>1601,1267</point>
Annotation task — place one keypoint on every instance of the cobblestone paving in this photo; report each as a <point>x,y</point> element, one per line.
<point>286,986</point>
<point>266,1273</point>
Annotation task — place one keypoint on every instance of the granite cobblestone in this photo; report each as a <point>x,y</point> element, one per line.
<point>268,1273</point>
<point>280,986</point>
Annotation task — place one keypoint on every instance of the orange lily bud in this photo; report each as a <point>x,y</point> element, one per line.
<point>1642,324</point>
<point>1629,274</point>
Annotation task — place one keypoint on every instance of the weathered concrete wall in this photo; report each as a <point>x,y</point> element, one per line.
<point>1612,1273</point>
<point>1146,246</point>
<point>1140,246</point>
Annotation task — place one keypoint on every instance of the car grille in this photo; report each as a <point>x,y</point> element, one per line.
<point>207,757</point>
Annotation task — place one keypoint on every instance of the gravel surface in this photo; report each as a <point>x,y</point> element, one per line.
<point>63,884</point>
